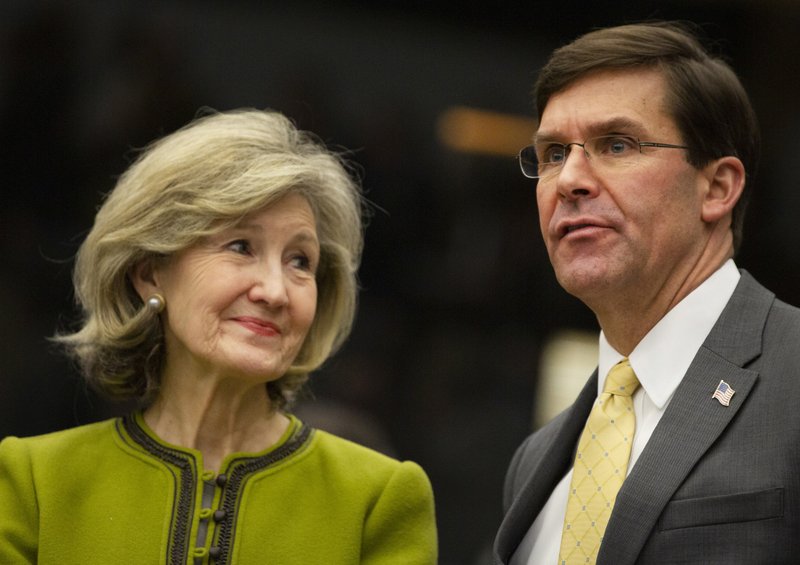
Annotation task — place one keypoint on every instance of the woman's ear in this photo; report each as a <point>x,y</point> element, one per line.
<point>144,277</point>
<point>726,178</point>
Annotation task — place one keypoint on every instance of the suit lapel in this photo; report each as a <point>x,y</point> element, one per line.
<point>692,422</point>
<point>544,475</point>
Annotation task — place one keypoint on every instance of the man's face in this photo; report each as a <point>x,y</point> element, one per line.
<point>631,231</point>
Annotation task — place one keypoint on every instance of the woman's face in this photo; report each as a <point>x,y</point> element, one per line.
<point>240,303</point>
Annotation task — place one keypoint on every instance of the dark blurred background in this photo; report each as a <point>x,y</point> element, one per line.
<point>458,297</point>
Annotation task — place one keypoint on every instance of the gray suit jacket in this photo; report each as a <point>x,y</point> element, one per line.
<point>714,484</point>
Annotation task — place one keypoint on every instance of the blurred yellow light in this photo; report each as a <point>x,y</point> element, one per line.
<point>567,360</point>
<point>482,131</point>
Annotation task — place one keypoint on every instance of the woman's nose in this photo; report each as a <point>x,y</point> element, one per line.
<point>269,286</point>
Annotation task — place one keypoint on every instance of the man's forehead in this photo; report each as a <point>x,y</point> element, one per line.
<point>629,101</point>
<point>618,124</point>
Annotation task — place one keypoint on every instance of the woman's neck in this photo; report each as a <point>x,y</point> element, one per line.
<point>216,418</point>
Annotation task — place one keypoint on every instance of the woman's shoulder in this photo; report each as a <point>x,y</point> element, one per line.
<point>334,445</point>
<point>397,496</point>
<point>363,463</point>
<point>54,444</point>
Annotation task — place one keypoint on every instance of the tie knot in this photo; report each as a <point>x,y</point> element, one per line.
<point>621,379</point>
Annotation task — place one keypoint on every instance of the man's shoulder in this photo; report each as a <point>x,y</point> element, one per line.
<point>779,311</point>
<point>785,313</point>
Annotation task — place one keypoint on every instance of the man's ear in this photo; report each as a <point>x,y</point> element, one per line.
<point>726,178</point>
<point>144,277</point>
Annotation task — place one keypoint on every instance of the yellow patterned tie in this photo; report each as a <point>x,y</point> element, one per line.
<point>600,467</point>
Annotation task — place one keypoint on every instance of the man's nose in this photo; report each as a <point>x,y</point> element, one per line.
<point>577,177</point>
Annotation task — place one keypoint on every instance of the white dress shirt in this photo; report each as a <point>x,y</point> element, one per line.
<point>660,360</point>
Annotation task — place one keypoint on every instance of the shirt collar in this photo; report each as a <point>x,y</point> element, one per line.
<point>663,356</point>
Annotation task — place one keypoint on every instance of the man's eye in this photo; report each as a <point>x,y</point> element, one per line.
<point>554,154</point>
<point>616,145</point>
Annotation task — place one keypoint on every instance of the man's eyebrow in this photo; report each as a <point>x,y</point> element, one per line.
<point>617,124</point>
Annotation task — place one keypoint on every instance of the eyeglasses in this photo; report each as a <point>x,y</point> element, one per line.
<point>607,153</point>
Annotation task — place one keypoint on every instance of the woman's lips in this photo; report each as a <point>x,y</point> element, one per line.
<point>258,326</point>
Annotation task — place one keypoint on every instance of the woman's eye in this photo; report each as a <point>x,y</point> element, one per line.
<point>301,262</point>
<point>241,246</point>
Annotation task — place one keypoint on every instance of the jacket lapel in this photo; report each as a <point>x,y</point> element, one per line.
<point>692,422</point>
<point>545,473</point>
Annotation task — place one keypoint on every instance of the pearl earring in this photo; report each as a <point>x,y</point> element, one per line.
<point>156,303</point>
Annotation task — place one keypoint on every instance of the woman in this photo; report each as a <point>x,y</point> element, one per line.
<point>219,272</point>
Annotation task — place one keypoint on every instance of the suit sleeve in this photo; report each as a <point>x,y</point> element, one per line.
<point>401,527</point>
<point>19,524</point>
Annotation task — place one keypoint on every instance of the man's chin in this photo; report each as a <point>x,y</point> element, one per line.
<point>583,281</point>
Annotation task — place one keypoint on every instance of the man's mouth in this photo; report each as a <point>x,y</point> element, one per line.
<point>571,229</point>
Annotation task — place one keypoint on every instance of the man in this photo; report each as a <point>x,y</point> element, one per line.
<point>645,149</point>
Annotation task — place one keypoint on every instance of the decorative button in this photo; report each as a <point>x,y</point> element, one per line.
<point>222,479</point>
<point>219,515</point>
<point>214,552</point>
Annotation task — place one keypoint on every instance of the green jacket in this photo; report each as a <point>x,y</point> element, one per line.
<point>113,493</point>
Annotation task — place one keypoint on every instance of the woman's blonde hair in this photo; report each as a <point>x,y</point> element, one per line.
<point>193,183</point>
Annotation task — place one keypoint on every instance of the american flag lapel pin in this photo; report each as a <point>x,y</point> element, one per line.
<point>724,393</point>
